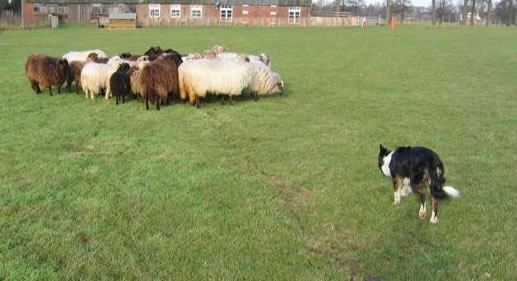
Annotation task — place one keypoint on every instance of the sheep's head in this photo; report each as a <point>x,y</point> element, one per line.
<point>209,54</point>
<point>64,66</point>
<point>92,57</point>
<point>281,86</point>
<point>123,67</point>
<point>142,59</point>
<point>154,50</point>
<point>265,59</point>
<point>116,60</point>
<point>126,55</point>
<point>217,49</point>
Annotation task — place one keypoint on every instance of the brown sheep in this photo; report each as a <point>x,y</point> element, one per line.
<point>159,79</point>
<point>47,71</point>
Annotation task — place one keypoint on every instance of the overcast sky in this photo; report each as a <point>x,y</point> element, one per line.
<point>419,3</point>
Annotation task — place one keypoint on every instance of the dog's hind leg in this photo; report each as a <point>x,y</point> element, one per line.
<point>434,213</point>
<point>436,181</point>
<point>421,195</point>
<point>397,184</point>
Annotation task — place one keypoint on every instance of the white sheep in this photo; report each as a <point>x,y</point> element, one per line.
<point>230,55</point>
<point>82,55</point>
<point>227,77</point>
<point>96,76</point>
<point>264,80</point>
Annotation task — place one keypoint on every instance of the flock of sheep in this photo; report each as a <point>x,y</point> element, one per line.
<point>158,75</point>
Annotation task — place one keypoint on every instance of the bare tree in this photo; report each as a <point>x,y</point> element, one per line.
<point>445,7</point>
<point>354,5</point>
<point>473,12</point>
<point>388,12</point>
<point>402,7</point>
<point>433,12</point>
<point>489,13</point>
<point>505,12</point>
<point>464,12</point>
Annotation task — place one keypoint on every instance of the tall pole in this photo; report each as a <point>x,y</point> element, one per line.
<point>23,12</point>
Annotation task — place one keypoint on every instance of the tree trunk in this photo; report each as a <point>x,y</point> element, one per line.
<point>464,12</point>
<point>433,12</point>
<point>489,13</point>
<point>473,12</point>
<point>388,12</point>
<point>509,17</point>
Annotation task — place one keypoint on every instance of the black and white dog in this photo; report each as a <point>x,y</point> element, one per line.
<point>410,168</point>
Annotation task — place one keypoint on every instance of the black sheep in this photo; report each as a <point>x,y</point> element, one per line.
<point>120,83</point>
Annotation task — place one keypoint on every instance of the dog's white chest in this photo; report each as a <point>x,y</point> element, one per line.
<point>385,168</point>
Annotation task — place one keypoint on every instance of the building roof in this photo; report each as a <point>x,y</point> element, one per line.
<point>122,16</point>
<point>305,3</point>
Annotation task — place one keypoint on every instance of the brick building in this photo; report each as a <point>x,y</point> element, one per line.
<point>181,12</point>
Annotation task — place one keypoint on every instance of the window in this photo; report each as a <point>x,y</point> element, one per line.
<point>226,13</point>
<point>175,11</point>
<point>154,10</point>
<point>294,14</point>
<point>245,11</point>
<point>61,8</point>
<point>196,11</point>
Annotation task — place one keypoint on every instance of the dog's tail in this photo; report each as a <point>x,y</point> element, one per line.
<point>451,191</point>
<point>436,181</point>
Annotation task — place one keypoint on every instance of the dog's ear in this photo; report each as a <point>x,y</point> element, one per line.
<point>382,149</point>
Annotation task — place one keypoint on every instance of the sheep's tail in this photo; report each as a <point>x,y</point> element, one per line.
<point>451,191</point>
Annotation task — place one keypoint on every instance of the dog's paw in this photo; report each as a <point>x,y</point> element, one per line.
<point>422,214</point>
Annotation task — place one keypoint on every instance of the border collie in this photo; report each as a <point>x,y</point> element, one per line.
<point>410,168</point>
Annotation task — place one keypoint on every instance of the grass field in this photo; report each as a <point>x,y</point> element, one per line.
<point>286,188</point>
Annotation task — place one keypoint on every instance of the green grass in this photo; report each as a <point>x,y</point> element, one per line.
<point>285,188</point>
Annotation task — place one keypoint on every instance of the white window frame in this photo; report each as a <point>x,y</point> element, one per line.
<point>194,10</point>
<point>175,11</point>
<point>294,14</point>
<point>154,10</point>
<point>226,13</point>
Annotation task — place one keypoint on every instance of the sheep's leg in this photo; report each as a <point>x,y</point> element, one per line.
<point>231,100</point>
<point>147,102</point>
<point>50,89</point>
<point>223,101</point>
<point>123,98</point>
<point>160,100</point>
<point>108,92</point>
<point>196,102</point>
<point>59,89</point>
<point>255,95</point>
<point>35,87</point>
<point>116,99</point>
